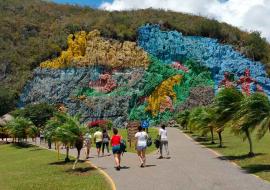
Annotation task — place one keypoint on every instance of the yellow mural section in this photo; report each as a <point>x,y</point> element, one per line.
<point>92,49</point>
<point>161,93</point>
<point>113,53</point>
<point>76,50</point>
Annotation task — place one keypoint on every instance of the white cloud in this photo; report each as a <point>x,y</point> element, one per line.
<point>247,14</point>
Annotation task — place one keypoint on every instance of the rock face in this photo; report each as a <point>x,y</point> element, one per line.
<point>60,86</point>
<point>95,108</point>
<point>173,46</point>
<point>199,96</point>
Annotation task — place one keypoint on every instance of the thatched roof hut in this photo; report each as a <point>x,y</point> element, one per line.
<point>5,118</point>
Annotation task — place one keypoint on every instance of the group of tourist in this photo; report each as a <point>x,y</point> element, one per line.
<point>103,139</point>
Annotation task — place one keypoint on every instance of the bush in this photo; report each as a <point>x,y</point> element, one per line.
<point>256,47</point>
<point>37,113</point>
<point>210,28</point>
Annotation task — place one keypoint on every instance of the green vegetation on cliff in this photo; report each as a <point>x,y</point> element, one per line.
<point>35,31</point>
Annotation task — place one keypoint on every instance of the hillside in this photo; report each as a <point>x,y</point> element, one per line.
<point>34,31</point>
<point>161,73</point>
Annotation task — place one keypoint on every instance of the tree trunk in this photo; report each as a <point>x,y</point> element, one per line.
<point>250,143</point>
<point>220,139</point>
<point>212,135</point>
<point>67,154</point>
<point>77,159</point>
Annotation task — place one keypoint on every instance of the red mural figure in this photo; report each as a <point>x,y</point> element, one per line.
<point>226,82</point>
<point>245,82</point>
<point>105,83</point>
<point>177,65</point>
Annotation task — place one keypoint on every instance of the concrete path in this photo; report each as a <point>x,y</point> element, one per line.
<point>191,167</point>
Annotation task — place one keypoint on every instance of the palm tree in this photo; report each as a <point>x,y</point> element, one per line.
<point>182,118</point>
<point>193,118</point>
<point>254,112</point>
<point>32,132</point>
<point>205,122</point>
<point>50,130</point>
<point>226,103</point>
<point>68,130</point>
<point>20,128</point>
<point>3,132</point>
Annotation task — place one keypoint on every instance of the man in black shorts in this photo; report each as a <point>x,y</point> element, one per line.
<point>98,140</point>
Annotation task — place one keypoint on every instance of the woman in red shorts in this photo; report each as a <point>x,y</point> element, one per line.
<point>116,148</point>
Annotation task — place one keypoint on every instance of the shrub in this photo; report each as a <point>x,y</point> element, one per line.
<point>37,113</point>
<point>256,47</point>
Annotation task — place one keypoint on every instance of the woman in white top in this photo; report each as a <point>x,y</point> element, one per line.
<point>141,144</point>
<point>163,141</point>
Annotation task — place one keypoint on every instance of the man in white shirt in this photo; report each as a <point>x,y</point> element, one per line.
<point>163,136</point>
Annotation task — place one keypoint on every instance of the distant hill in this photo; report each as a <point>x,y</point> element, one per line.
<point>34,31</point>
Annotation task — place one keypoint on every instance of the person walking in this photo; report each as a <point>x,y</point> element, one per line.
<point>163,141</point>
<point>98,141</point>
<point>116,148</point>
<point>141,144</point>
<point>87,143</point>
<point>105,141</point>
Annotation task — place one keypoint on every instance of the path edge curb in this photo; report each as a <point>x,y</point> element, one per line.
<point>107,176</point>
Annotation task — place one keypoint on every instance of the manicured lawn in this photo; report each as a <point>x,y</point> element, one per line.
<point>33,168</point>
<point>153,132</point>
<point>236,150</point>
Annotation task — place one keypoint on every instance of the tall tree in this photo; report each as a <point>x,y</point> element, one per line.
<point>226,104</point>
<point>254,113</point>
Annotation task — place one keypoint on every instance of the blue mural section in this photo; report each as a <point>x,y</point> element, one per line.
<point>173,46</point>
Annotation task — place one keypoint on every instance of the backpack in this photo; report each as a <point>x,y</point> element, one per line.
<point>123,145</point>
<point>149,141</point>
<point>157,143</point>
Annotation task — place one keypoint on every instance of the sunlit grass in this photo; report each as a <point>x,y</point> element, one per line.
<point>32,168</point>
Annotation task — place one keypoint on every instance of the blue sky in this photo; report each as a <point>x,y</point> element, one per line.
<point>92,3</point>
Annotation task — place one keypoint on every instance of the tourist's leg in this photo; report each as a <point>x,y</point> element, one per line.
<point>103,147</point>
<point>119,159</point>
<point>160,148</point>
<point>116,160</point>
<point>143,156</point>
<point>107,146</point>
<point>166,147</point>
<point>140,156</point>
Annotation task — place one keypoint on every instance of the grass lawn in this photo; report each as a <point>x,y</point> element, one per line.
<point>153,132</point>
<point>235,149</point>
<point>32,168</point>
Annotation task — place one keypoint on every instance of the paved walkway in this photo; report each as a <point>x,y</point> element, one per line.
<point>191,167</point>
